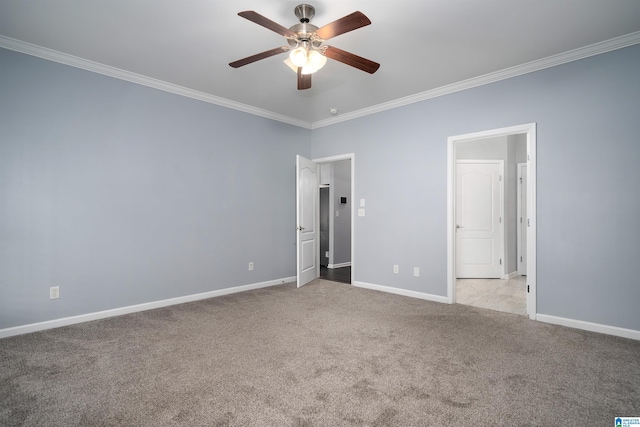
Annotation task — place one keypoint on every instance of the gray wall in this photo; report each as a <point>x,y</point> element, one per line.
<point>485,149</point>
<point>516,153</point>
<point>121,194</point>
<point>588,196</point>
<point>325,229</point>
<point>341,187</point>
<point>520,143</point>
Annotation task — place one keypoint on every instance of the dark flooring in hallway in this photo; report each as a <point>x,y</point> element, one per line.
<point>342,274</point>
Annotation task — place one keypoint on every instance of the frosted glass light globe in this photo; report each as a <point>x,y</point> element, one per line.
<point>298,57</point>
<point>315,61</point>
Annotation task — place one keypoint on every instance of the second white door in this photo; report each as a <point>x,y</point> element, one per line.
<point>479,225</point>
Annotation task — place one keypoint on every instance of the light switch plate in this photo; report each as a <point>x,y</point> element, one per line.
<point>362,203</point>
<point>360,212</point>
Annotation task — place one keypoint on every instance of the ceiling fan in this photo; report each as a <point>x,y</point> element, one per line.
<point>307,54</point>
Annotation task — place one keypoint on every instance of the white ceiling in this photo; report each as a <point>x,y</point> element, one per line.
<point>421,45</point>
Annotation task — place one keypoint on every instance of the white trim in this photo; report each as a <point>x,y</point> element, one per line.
<point>523,217</point>
<point>352,157</point>
<point>530,130</point>
<point>511,275</point>
<point>330,159</point>
<point>529,67</point>
<point>403,292</point>
<point>507,73</point>
<point>340,265</point>
<point>588,326</point>
<point>532,221</point>
<point>56,323</point>
<point>96,67</point>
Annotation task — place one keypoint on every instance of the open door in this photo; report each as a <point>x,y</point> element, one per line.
<point>308,221</point>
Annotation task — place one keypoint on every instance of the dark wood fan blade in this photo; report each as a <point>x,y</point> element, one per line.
<point>258,56</point>
<point>351,59</point>
<point>267,23</point>
<point>304,80</point>
<point>343,25</point>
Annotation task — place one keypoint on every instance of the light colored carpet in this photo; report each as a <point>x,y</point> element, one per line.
<point>326,354</point>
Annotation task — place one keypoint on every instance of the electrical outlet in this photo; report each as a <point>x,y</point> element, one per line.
<point>250,266</point>
<point>416,271</point>
<point>54,292</point>
<point>396,269</point>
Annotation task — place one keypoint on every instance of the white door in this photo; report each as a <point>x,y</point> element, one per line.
<point>522,219</point>
<point>307,219</point>
<point>479,219</point>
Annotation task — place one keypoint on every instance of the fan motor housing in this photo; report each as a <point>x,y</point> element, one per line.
<point>304,12</point>
<point>304,32</point>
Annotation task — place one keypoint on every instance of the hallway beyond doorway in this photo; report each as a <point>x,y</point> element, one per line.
<point>342,274</point>
<point>494,294</point>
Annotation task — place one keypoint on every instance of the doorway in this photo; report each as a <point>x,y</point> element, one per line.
<point>472,144</point>
<point>332,226</point>
<point>335,221</point>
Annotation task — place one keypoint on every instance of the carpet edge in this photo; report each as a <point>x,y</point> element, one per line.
<point>72,320</point>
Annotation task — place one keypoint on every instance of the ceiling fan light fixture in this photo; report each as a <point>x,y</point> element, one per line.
<point>306,52</point>
<point>307,70</point>
<point>315,61</point>
<point>299,56</point>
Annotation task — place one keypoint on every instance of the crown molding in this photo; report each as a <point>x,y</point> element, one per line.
<point>529,67</point>
<point>96,67</point>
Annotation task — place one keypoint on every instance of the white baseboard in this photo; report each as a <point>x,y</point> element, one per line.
<point>571,323</point>
<point>344,264</point>
<point>510,275</point>
<point>588,326</point>
<point>403,292</point>
<point>56,323</point>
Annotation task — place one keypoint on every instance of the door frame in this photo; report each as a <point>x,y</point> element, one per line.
<point>501,212</point>
<point>530,130</point>
<point>352,157</point>
<point>519,216</point>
